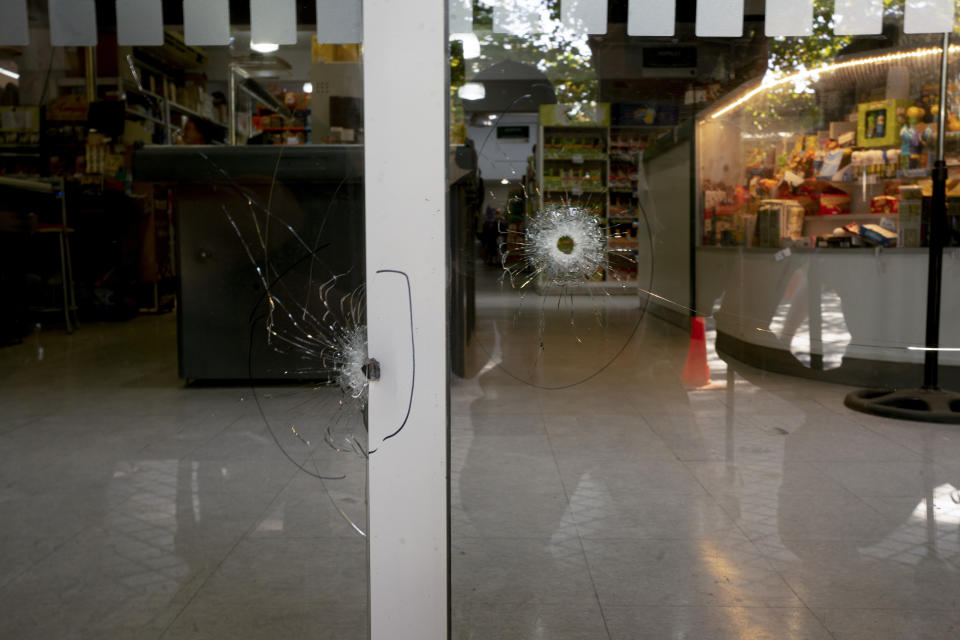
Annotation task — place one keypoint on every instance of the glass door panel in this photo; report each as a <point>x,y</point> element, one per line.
<point>661,292</point>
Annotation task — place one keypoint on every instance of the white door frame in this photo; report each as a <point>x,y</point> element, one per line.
<point>406,147</point>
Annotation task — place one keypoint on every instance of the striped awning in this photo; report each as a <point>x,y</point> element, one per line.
<point>207,22</point>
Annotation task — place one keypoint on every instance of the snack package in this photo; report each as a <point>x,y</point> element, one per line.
<point>834,202</point>
<point>873,234</point>
<point>885,204</point>
<point>911,208</point>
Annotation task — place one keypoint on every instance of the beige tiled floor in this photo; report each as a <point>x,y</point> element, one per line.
<point>623,507</point>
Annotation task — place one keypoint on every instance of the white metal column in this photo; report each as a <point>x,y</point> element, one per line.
<point>405,139</point>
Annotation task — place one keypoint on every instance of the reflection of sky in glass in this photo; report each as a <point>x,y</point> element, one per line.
<point>536,28</point>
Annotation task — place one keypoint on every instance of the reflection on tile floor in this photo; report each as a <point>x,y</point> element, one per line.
<point>134,507</point>
<point>624,507</point>
<point>763,510</point>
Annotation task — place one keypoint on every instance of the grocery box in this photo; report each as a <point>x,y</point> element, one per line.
<point>834,203</point>
<point>911,210</point>
<point>885,204</point>
<point>877,122</point>
<point>778,219</point>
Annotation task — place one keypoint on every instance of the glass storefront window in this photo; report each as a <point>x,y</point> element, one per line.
<point>760,186</point>
<point>182,241</point>
<point>571,363</point>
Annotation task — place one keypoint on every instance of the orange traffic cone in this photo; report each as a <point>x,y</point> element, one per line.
<point>696,372</point>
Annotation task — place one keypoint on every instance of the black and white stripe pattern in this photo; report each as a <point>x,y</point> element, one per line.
<point>207,22</point>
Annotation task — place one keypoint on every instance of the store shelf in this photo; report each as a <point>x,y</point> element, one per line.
<point>849,216</point>
<point>195,114</point>
<point>621,213</point>
<point>132,88</point>
<point>144,116</point>
<point>588,287</point>
<point>19,151</point>
<point>104,81</point>
<point>583,157</point>
<point>164,104</point>
<point>284,128</point>
<point>38,184</point>
<point>575,190</point>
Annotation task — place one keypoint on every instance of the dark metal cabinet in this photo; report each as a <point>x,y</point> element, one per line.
<point>314,230</point>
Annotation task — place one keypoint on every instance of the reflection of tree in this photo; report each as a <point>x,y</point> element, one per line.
<point>563,54</point>
<point>790,55</point>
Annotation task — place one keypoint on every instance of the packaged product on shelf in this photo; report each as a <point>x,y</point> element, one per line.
<point>884,204</point>
<point>878,122</point>
<point>873,234</point>
<point>837,129</point>
<point>876,234</point>
<point>833,202</point>
<point>911,209</point>
<point>778,220</point>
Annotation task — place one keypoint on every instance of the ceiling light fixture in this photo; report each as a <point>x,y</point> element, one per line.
<point>472,91</point>
<point>264,47</point>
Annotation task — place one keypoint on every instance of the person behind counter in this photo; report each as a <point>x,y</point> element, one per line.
<point>199,131</point>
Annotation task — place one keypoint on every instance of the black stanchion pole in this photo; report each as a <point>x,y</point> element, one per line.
<point>928,403</point>
<point>938,218</point>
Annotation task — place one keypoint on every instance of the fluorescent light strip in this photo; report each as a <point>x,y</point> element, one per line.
<point>933,348</point>
<point>9,74</point>
<point>828,68</point>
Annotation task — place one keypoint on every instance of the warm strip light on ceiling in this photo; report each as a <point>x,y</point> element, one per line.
<point>828,68</point>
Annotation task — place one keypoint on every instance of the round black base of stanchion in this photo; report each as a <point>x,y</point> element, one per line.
<point>924,405</point>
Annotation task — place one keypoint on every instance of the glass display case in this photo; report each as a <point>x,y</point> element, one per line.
<point>812,210</point>
<point>851,143</point>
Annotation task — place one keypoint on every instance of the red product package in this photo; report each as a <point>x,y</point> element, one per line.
<point>885,204</point>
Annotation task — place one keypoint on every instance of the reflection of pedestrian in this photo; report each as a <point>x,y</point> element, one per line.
<point>796,294</point>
